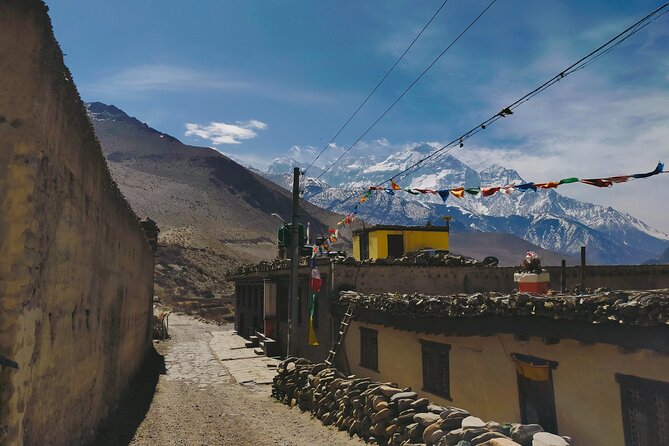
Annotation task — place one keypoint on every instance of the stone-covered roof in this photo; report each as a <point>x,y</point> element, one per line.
<point>422,259</point>
<point>642,308</point>
<point>401,228</point>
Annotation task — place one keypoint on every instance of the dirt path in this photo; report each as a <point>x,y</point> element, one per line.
<point>188,397</point>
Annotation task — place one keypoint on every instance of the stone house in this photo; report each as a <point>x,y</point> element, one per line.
<point>595,368</point>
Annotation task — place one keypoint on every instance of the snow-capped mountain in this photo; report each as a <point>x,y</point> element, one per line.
<point>546,218</point>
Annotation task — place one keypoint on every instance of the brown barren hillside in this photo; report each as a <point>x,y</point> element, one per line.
<point>212,212</point>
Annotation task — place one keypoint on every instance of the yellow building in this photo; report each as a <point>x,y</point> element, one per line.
<point>382,241</point>
<point>603,383</point>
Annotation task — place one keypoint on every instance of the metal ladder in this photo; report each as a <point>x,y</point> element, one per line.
<point>343,327</point>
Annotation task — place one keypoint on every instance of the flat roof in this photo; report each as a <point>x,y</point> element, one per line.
<point>401,228</point>
<point>617,307</point>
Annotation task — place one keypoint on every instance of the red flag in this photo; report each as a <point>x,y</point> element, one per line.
<point>316,281</point>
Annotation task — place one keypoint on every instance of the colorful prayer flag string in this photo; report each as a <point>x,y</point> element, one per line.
<point>459,192</point>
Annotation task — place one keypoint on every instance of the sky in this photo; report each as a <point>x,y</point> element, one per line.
<point>263,79</point>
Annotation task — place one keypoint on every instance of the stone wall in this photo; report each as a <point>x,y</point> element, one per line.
<point>386,414</point>
<point>76,271</point>
<point>473,279</point>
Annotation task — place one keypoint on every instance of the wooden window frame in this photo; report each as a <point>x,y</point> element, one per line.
<point>444,351</point>
<point>369,340</point>
<point>647,387</point>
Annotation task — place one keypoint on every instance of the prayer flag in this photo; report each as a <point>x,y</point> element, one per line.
<point>599,182</point>
<point>619,179</point>
<point>458,192</point>
<point>473,190</point>
<point>507,190</point>
<point>390,191</point>
<point>443,194</point>
<point>526,186</point>
<point>394,185</point>
<point>312,340</point>
<point>410,191</point>
<point>488,191</point>
<point>658,169</point>
<point>548,185</point>
<point>316,281</point>
<point>568,180</point>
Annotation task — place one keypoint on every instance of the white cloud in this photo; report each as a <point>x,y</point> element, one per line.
<point>173,78</point>
<point>222,133</point>
<point>160,77</point>
<point>302,154</point>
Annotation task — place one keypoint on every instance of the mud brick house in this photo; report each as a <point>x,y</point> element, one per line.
<point>381,241</point>
<point>594,367</point>
<point>261,290</point>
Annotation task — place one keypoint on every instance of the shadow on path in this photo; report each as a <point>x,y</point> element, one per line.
<point>120,425</point>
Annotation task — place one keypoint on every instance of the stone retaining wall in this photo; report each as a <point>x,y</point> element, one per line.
<point>385,414</point>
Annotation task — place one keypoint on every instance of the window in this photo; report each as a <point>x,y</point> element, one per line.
<point>369,349</point>
<point>645,407</point>
<point>436,368</point>
<point>364,246</point>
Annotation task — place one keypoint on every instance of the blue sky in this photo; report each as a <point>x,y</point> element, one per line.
<point>262,79</point>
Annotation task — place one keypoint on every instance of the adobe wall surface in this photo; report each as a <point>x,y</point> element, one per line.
<point>76,271</point>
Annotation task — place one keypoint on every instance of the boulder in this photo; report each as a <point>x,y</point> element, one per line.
<point>523,433</point>
<point>403,395</point>
<point>472,422</point>
<point>484,437</point>
<point>388,391</point>
<point>500,442</point>
<point>548,439</point>
<point>425,419</point>
<point>427,433</point>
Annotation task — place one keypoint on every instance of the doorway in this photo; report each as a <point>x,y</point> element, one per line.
<point>395,245</point>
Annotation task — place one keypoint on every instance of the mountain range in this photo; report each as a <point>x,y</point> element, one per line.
<point>545,218</point>
<point>212,212</point>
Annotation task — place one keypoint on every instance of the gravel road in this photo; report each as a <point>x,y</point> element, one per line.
<point>187,397</point>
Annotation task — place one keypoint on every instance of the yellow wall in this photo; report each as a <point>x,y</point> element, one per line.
<point>413,240</point>
<point>483,377</point>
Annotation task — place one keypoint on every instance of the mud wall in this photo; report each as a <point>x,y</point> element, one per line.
<point>444,280</point>
<point>76,271</point>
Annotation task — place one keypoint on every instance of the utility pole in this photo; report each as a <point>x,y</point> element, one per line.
<point>294,251</point>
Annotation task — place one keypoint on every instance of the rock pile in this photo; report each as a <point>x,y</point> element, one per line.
<point>618,307</point>
<point>385,414</point>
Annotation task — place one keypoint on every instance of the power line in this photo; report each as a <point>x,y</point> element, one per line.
<point>377,86</point>
<point>580,64</point>
<point>407,89</point>
<point>508,110</point>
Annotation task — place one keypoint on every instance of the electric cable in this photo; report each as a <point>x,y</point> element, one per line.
<point>376,87</point>
<point>580,64</point>
<point>507,111</point>
<point>407,89</point>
